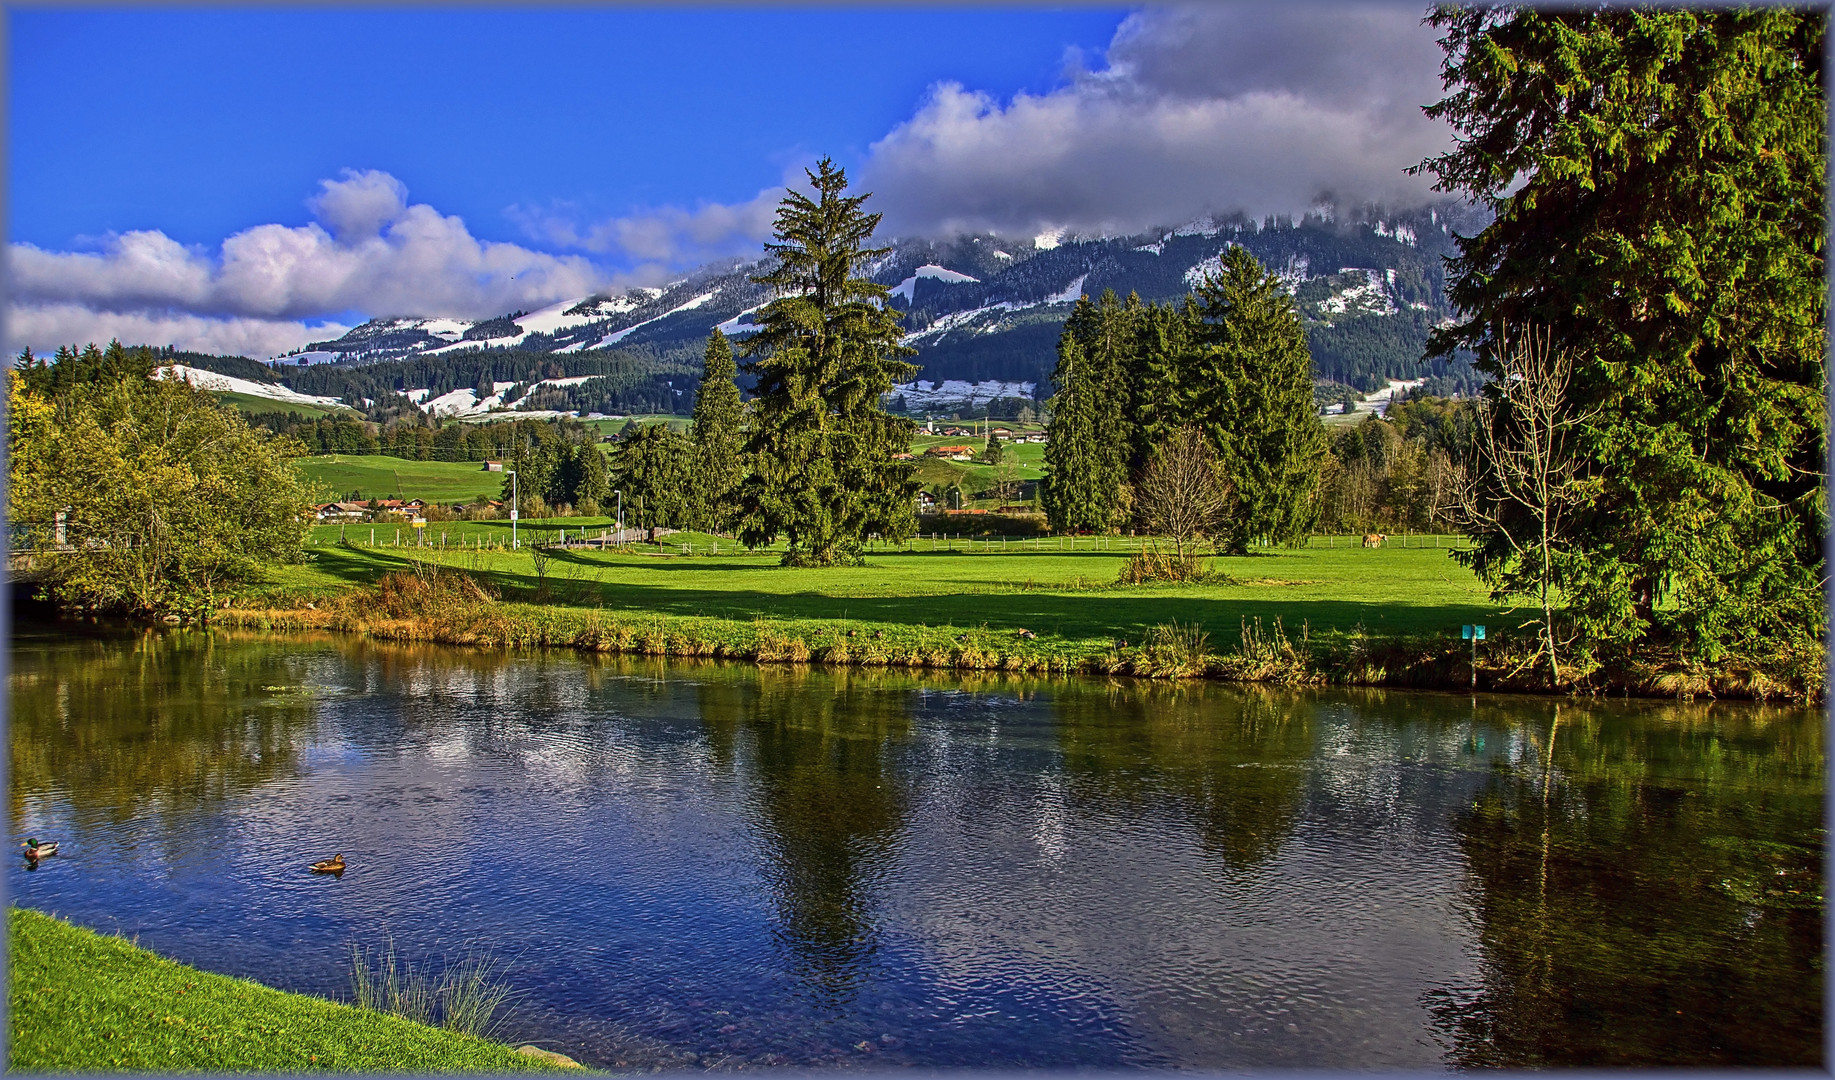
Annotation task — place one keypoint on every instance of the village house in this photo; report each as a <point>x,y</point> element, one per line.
<point>492,466</point>
<point>953,453</point>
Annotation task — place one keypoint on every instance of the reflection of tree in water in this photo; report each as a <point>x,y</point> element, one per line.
<point>826,807</point>
<point>124,724</point>
<point>1649,893</point>
<point>1230,756</point>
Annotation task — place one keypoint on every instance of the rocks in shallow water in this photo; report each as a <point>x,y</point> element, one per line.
<point>552,1058</point>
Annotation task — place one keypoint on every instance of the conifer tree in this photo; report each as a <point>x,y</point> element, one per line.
<point>992,451</point>
<point>1067,495</point>
<point>652,471</point>
<point>1089,439</point>
<point>1253,398</point>
<point>1657,180</point>
<point>589,477</point>
<point>718,459</point>
<point>821,445</point>
<point>1159,389</point>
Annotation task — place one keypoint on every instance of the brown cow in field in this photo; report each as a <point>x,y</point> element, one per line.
<point>1374,539</point>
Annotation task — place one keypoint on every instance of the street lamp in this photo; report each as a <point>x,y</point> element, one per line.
<point>620,493</point>
<point>515,499</point>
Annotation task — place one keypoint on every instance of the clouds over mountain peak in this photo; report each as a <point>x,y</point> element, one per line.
<point>1197,109</point>
<point>368,250</point>
<point>1189,111</point>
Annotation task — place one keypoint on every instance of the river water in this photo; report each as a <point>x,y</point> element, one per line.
<point>719,866</point>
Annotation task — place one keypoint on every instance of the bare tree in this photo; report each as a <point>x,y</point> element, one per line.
<point>1006,481</point>
<point>1183,494</point>
<point>1523,483</point>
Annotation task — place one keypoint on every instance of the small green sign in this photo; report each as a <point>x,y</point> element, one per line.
<point>1480,635</point>
<point>1465,632</point>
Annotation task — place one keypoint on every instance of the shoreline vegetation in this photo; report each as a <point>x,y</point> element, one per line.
<point>508,600</point>
<point>85,1002</point>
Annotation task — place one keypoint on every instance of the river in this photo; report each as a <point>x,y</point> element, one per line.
<point>721,866</point>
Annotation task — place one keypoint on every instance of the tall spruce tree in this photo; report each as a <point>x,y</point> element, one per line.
<point>821,446</point>
<point>1069,496</point>
<point>719,439</point>
<point>1251,392</point>
<point>652,471</point>
<point>1160,386</point>
<point>1090,436</point>
<point>1657,179</point>
<point>589,478</point>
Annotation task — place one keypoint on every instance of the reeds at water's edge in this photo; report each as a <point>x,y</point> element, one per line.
<point>442,605</point>
<point>466,996</point>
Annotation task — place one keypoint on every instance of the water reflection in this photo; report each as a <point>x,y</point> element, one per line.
<point>737,867</point>
<point>1648,889</point>
<point>1230,757</point>
<point>128,722</point>
<point>824,803</point>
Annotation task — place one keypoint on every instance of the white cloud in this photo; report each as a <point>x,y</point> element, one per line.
<point>358,206</point>
<point>369,250</point>
<point>1192,110</point>
<point>1199,109</point>
<point>46,326</point>
<point>670,237</point>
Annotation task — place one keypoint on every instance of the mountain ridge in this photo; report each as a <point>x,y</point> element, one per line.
<point>1370,286</point>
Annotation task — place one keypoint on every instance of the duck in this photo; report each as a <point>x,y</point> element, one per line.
<point>35,850</point>
<point>334,865</point>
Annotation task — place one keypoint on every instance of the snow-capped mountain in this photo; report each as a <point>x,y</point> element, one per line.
<point>988,308</point>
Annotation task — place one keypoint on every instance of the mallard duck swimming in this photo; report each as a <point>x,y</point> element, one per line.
<point>329,866</point>
<point>36,850</point>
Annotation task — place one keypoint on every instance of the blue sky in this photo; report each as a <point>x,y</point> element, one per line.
<point>249,180</point>
<point>203,122</point>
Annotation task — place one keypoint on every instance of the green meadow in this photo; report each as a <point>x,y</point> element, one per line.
<point>384,477</point>
<point>380,477</point>
<point>250,403</point>
<point>1060,588</point>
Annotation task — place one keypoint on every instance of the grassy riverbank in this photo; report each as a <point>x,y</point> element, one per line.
<point>1326,613</point>
<point>82,1002</point>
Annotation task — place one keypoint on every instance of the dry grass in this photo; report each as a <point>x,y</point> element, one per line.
<point>1150,564</point>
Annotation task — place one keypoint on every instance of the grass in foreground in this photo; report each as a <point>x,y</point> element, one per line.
<point>83,1002</point>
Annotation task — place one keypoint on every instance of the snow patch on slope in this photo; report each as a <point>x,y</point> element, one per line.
<point>734,328</point>
<point>929,270</point>
<point>1370,298</point>
<point>954,393</point>
<point>1401,233</point>
<point>1070,293</point>
<point>554,317</point>
<point>957,319</point>
<point>229,384</point>
<point>613,339</point>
